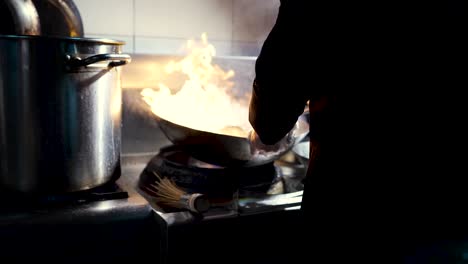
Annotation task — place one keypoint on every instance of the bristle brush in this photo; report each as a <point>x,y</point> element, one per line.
<point>167,193</point>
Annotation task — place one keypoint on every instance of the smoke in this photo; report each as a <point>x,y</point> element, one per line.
<point>252,22</point>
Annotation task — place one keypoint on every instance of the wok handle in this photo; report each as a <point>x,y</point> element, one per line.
<point>116,60</point>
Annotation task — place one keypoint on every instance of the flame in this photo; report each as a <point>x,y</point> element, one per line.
<point>205,101</point>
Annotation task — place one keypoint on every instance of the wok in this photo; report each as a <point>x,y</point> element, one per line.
<point>302,152</point>
<point>224,150</point>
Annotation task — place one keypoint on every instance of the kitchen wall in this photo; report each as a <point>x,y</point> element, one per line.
<point>234,27</point>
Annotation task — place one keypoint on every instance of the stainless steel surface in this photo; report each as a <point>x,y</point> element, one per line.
<point>130,207</point>
<point>19,18</point>
<point>60,127</point>
<point>110,230</point>
<point>223,149</point>
<point>59,18</point>
<point>269,203</point>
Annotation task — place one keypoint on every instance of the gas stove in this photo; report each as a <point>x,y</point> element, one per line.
<point>107,223</point>
<point>221,185</point>
<point>18,202</point>
<point>233,190</point>
<point>262,209</point>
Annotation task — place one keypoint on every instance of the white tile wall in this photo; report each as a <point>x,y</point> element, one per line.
<point>155,45</point>
<point>235,27</point>
<point>111,17</point>
<point>184,18</point>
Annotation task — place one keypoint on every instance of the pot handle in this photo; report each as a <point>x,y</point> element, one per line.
<point>116,60</point>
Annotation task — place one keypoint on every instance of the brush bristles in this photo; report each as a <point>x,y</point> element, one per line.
<point>166,192</point>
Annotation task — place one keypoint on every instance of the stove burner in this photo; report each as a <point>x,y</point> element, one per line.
<point>210,179</point>
<point>108,191</point>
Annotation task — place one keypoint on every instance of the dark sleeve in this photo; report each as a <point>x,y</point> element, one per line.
<point>280,90</point>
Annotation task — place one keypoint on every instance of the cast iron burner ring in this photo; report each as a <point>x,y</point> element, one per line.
<point>212,180</point>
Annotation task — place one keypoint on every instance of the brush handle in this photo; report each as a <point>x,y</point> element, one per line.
<point>196,202</point>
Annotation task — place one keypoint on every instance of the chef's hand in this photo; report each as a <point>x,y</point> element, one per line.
<point>258,148</point>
